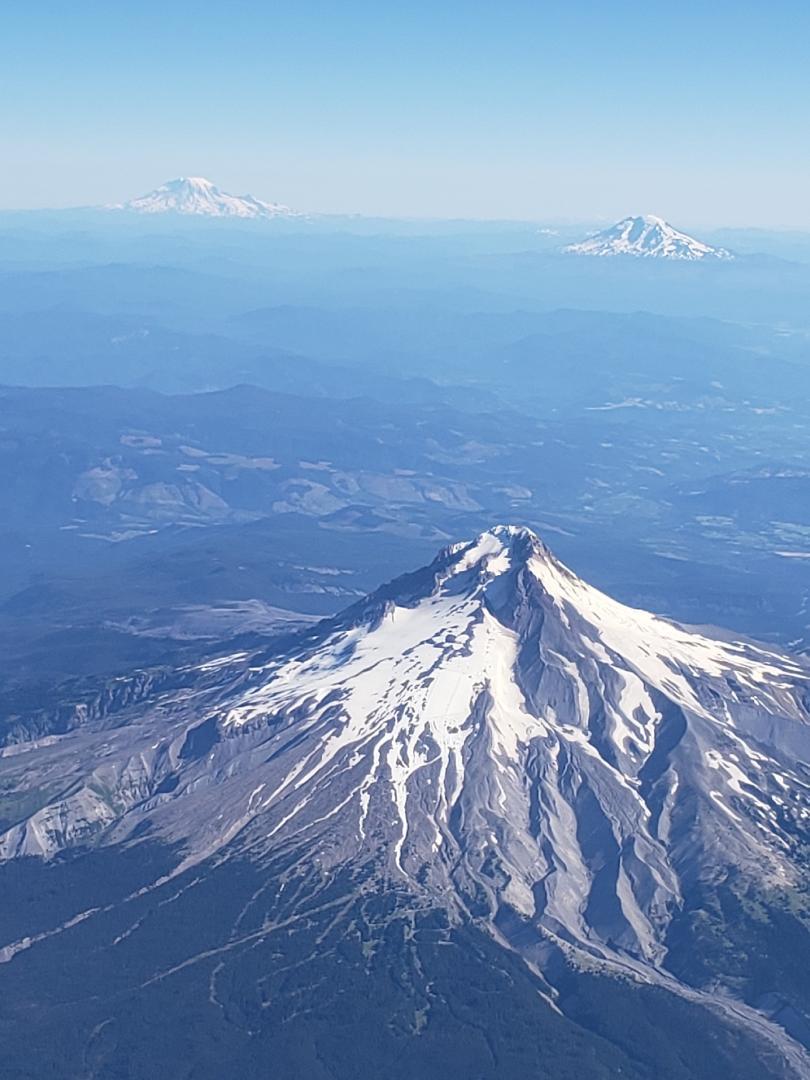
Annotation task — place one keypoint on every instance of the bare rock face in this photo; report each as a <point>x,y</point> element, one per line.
<point>489,737</point>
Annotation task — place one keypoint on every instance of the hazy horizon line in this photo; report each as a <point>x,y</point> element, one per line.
<point>585,221</point>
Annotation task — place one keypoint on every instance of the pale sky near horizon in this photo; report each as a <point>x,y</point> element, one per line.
<point>546,111</point>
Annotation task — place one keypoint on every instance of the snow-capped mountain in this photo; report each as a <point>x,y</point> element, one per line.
<point>646,237</point>
<point>489,737</point>
<point>194,195</point>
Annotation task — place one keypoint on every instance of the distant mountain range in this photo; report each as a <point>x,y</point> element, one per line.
<point>647,236</point>
<point>643,236</point>
<point>198,197</point>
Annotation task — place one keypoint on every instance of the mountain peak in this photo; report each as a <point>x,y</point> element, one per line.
<point>647,236</point>
<point>515,543</point>
<point>506,551</point>
<point>490,734</point>
<point>497,555</point>
<point>200,197</point>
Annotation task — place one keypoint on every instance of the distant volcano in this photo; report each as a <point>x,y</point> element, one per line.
<point>647,237</point>
<point>196,196</point>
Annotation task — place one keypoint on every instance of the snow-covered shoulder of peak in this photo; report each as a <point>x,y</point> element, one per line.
<point>655,647</point>
<point>646,236</point>
<point>196,196</point>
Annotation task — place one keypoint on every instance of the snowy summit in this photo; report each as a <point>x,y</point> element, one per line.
<point>647,237</point>
<point>196,196</point>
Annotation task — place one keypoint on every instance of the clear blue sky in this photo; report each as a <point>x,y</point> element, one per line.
<point>699,112</point>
